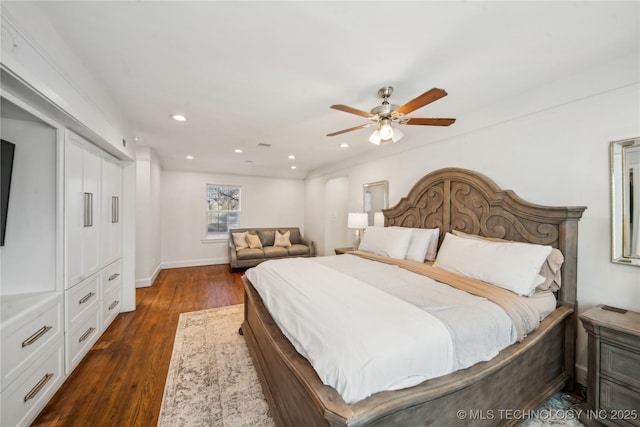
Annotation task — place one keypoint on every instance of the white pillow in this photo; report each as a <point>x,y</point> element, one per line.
<point>392,242</point>
<point>240,240</point>
<point>423,244</point>
<point>282,240</point>
<point>510,265</point>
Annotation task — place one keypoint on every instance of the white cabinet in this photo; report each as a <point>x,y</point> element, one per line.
<point>32,355</point>
<point>111,293</point>
<point>82,171</point>
<point>111,232</point>
<point>93,245</point>
<point>82,324</point>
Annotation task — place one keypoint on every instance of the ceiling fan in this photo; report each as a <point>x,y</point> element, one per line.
<point>386,115</point>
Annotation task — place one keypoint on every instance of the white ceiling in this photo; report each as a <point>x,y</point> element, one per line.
<point>266,72</point>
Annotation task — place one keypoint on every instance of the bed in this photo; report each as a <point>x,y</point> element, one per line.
<point>520,377</point>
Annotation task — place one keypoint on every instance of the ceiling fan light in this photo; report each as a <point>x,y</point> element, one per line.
<point>397,135</point>
<point>386,131</point>
<point>375,137</point>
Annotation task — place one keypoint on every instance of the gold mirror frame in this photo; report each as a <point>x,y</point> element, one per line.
<point>375,198</point>
<point>625,201</point>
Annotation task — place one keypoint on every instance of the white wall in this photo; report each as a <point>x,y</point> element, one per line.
<point>336,233</point>
<point>148,228</point>
<point>266,202</point>
<point>550,146</point>
<point>29,255</point>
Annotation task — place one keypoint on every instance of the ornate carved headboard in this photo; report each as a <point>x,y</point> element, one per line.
<point>460,199</point>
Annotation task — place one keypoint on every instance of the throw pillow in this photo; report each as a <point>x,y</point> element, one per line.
<point>240,240</point>
<point>266,237</point>
<point>254,241</point>
<point>282,240</point>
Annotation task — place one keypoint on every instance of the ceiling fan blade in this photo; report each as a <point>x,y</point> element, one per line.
<point>366,125</point>
<point>351,110</point>
<point>431,122</point>
<point>424,99</point>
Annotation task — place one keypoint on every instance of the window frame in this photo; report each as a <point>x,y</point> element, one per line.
<point>208,211</point>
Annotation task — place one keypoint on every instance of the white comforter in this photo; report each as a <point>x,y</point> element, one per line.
<point>367,326</point>
<point>359,339</point>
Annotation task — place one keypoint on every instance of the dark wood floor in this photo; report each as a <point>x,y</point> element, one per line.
<point>121,380</point>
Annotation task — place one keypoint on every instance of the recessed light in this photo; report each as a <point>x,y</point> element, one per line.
<point>292,157</point>
<point>344,145</point>
<point>179,117</point>
<point>188,157</point>
<point>237,150</point>
<point>293,167</point>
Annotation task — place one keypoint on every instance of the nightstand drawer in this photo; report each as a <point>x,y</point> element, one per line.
<point>620,364</point>
<point>617,398</point>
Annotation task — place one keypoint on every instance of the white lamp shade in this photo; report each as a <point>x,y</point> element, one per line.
<point>397,135</point>
<point>375,137</point>
<point>357,220</point>
<point>378,219</point>
<point>386,131</point>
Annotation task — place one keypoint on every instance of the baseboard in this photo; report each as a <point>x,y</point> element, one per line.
<point>146,282</point>
<point>581,374</point>
<point>195,262</point>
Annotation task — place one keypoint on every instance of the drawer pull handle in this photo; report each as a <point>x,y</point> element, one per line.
<point>86,334</point>
<point>86,298</point>
<point>35,390</point>
<point>114,305</point>
<point>114,276</point>
<point>35,337</point>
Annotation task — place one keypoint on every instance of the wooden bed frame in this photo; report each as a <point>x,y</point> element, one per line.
<point>521,377</point>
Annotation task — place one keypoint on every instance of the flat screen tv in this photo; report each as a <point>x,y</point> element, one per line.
<point>6,168</point>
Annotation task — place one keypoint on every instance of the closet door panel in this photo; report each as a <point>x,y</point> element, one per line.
<point>92,176</point>
<point>74,211</point>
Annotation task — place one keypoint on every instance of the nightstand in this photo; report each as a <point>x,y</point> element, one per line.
<point>613,378</point>
<point>340,251</point>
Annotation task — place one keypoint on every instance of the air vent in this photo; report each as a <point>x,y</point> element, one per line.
<point>262,144</point>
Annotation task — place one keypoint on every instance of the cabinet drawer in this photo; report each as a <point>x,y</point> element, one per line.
<point>81,299</point>
<point>112,276</point>
<point>31,334</point>
<point>27,395</point>
<point>110,305</point>
<point>620,364</point>
<point>80,339</point>
<point>617,398</point>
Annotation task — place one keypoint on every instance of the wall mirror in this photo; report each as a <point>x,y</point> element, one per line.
<point>625,201</point>
<point>376,198</point>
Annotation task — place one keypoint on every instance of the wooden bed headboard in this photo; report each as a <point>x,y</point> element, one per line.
<point>460,199</point>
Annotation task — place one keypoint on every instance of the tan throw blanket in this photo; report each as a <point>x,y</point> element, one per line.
<point>524,316</point>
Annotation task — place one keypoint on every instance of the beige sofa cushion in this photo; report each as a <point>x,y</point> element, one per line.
<point>298,250</point>
<point>275,252</point>
<point>249,253</point>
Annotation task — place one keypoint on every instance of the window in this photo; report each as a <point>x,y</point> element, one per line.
<point>223,208</point>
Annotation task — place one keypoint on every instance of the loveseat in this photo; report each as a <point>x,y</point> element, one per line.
<point>268,247</point>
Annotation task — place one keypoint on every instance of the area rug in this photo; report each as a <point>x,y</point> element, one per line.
<point>212,381</point>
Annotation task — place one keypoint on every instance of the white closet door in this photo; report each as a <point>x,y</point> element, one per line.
<point>92,175</point>
<point>111,210</point>
<point>74,211</point>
